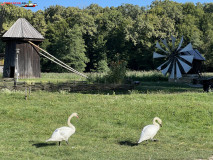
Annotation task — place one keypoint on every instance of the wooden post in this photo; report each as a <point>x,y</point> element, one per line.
<point>25,93</point>
<point>16,66</point>
<point>15,84</point>
<point>29,89</point>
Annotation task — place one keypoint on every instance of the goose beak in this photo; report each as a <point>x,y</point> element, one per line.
<point>77,116</point>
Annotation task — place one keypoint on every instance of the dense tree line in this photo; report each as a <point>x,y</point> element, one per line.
<point>90,39</point>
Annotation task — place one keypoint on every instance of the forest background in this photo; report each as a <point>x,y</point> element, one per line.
<point>91,39</point>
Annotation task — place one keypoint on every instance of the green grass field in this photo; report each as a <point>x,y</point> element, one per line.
<point>145,76</point>
<point>109,124</point>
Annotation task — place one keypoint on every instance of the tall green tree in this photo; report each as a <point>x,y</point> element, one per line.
<point>67,45</point>
<point>93,37</point>
<point>74,49</point>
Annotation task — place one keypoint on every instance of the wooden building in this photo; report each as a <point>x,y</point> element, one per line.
<point>21,58</point>
<point>197,61</point>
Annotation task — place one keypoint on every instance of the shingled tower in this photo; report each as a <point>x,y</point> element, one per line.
<point>21,58</point>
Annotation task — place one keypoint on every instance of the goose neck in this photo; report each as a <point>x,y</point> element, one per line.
<point>68,122</point>
<point>155,123</point>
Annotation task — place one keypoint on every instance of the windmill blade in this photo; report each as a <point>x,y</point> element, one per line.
<point>180,44</point>
<point>165,70</point>
<point>178,73</point>
<point>159,47</point>
<point>185,66</point>
<point>173,42</point>
<point>187,48</point>
<point>172,75</point>
<point>165,43</point>
<point>188,58</point>
<point>159,68</point>
<point>157,55</point>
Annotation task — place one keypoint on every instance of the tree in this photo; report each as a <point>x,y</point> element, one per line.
<point>67,45</point>
<point>74,49</point>
<point>91,38</point>
<point>38,22</point>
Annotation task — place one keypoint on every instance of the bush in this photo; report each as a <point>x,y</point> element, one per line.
<point>117,72</point>
<point>102,66</point>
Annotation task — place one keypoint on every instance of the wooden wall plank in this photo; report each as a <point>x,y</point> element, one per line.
<point>28,59</point>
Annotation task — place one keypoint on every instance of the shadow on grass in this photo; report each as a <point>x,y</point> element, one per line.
<point>145,88</point>
<point>38,145</point>
<point>148,78</point>
<point>165,87</point>
<point>128,143</point>
<point>104,92</point>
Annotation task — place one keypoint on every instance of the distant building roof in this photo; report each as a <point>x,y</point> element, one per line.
<point>22,29</point>
<point>196,54</point>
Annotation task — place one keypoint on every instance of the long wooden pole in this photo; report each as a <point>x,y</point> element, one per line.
<point>55,62</point>
<point>59,62</point>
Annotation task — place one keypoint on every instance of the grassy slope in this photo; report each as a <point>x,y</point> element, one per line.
<point>106,121</point>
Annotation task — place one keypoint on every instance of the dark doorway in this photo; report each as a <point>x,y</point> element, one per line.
<point>12,71</point>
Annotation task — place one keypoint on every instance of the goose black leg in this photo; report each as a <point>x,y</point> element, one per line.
<point>67,142</point>
<point>146,142</point>
<point>59,143</point>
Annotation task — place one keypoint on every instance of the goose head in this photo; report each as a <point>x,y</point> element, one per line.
<point>159,121</point>
<point>75,115</point>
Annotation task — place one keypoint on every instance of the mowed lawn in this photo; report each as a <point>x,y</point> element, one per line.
<point>108,127</point>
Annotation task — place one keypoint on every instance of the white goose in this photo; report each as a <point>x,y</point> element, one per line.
<point>63,133</point>
<point>150,131</point>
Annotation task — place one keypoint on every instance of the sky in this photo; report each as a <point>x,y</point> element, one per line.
<point>42,4</point>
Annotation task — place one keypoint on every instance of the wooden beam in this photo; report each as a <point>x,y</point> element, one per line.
<point>57,61</point>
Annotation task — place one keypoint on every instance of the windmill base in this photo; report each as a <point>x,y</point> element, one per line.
<point>187,78</point>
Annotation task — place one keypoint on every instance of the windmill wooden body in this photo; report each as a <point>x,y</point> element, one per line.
<point>21,58</point>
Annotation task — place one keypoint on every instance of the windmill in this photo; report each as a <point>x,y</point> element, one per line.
<point>178,60</point>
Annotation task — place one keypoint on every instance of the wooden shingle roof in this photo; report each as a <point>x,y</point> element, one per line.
<point>196,54</point>
<point>22,29</point>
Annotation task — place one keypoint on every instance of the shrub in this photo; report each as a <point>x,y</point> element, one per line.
<point>117,72</point>
<point>102,66</point>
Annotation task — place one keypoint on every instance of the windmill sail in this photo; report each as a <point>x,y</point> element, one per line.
<point>165,70</point>
<point>159,68</point>
<point>159,47</point>
<point>185,66</point>
<point>188,58</point>
<point>187,48</point>
<point>157,55</point>
<point>173,42</point>
<point>178,73</point>
<point>172,75</point>
<point>165,43</point>
<point>180,44</point>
